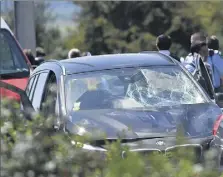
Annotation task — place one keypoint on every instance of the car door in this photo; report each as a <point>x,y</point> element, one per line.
<point>35,89</point>
<point>26,103</point>
<point>14,68</point>
<point>49,102</point>
<point>42,89</point>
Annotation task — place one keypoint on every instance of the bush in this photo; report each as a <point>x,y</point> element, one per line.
<point>35,149</point>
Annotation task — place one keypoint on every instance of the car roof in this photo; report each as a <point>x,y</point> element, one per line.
<point>4,25</point>
<point>113,61</point>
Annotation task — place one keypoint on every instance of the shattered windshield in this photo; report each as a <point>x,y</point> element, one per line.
<point>130,88</point>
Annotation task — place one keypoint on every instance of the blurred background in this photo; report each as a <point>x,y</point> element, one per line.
<point>118,26</point>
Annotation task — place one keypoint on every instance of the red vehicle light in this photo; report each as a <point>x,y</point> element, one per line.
<point>217,124</point>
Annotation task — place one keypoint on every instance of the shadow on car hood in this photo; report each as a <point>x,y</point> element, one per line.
<point>194,120</point>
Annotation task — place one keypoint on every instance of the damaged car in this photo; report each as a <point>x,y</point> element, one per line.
<point>144,99</point>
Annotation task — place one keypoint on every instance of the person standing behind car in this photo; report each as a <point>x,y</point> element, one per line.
<point>40,55</point>
<point>198,41</point>
<point>195,64</point>
<point>196,37</point>
<point>216,62</point>
<point>30,56</point>
<point>163,44</point>
<point>74,53</point>
<point>189,59</point>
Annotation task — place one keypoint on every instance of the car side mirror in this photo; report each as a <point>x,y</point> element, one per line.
<point>219,99</point>
<point>27,108</point>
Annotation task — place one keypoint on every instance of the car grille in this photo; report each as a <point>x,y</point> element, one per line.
<point>174,153</point>
<point>190,152</point>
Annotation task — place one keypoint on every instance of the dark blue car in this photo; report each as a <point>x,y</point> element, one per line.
<point>143,98</point>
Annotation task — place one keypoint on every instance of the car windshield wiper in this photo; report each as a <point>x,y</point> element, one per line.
<point>100,142</point>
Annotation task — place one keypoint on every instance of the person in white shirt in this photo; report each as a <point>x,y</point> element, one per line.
<point>163,44</point>
<point>198,44</point>
<point>197,37</point>
<point>196,62</point>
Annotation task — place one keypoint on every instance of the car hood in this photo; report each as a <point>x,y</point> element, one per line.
<point>193,120</point>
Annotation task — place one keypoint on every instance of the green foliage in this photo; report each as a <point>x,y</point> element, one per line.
<point>75,37</point>
<point>38,150</point>
<point>120,26</point>
<point>127,26</point>
<point>47,37</point>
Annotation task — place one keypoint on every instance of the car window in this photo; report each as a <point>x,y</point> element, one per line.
<point>29,85</point>
<point>131,88</point>
<point>49,96</point>
<point>38,91</point>
<point>12,59</point>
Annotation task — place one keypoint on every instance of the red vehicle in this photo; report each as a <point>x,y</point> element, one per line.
<point>14,66</point>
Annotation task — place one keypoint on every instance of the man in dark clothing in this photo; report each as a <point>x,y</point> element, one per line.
<point>30,56</point>
<point>163,44</point>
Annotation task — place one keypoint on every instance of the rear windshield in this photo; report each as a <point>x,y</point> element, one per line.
<point>12,60</point>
